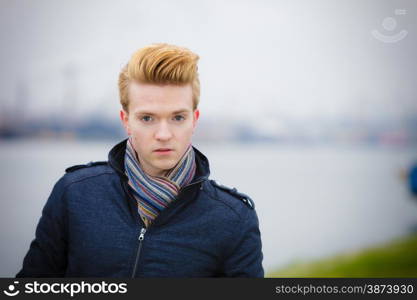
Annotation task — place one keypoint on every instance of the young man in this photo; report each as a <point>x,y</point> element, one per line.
<point>150,210</point>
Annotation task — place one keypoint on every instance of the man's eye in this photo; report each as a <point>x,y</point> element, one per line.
<point>179,118</point>
<point>146,118</point>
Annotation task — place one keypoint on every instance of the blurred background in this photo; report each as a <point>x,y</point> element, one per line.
<point>309,107</point>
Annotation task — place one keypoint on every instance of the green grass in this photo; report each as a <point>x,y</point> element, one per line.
<point>395,259</point>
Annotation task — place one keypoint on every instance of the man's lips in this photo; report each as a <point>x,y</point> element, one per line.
<point>163,150</point>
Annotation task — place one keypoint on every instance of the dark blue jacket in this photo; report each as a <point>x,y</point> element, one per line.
<point>90,227</point>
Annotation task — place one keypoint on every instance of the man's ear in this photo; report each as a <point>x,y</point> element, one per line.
<point>196,115</point>
<point>124,117</point>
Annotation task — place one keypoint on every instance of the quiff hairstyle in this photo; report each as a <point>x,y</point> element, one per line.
<point>160,64</point>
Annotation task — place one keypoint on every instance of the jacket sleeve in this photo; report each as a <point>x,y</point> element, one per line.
<point>48,251</point>
<point>245,258</point>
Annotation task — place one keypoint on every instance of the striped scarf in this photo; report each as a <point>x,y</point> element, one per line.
<point>154,193</point>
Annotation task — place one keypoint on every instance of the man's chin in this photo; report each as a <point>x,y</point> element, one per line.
<point>166,166</point>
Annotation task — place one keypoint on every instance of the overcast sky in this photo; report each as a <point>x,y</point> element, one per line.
<point>297,58</point>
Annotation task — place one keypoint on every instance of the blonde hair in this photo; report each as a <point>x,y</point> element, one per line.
<point>160,64</point>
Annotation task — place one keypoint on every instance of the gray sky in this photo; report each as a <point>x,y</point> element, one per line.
<point>257,58</point>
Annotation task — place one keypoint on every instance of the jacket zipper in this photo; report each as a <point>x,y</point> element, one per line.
<point>141,237</point>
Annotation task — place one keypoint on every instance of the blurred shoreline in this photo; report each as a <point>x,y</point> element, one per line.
<point>221,130</point>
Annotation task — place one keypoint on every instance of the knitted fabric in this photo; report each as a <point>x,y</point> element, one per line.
<point>154,193</point>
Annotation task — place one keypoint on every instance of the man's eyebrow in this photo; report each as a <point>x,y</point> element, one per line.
<point>180,111</point>
<point>144,113</point>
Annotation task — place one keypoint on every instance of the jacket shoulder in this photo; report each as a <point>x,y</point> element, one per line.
<point>88,165</point>
<point>234,193</point>
<point>89,170</point>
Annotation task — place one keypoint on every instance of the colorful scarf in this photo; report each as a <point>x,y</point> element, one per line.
<point>155,193</point>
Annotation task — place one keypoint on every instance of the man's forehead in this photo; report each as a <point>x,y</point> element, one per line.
<point>153,90</point>
<point>156,99</point>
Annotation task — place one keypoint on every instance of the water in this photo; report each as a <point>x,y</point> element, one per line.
<point>311,202</point>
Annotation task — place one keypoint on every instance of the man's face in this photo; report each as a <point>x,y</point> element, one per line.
<point>161,122</point>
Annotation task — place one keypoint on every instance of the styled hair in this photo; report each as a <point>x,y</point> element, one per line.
<point>160,64</point>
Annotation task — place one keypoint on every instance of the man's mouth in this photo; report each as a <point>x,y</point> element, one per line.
<point>163,150</point>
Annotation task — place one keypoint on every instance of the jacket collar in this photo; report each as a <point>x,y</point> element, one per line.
<point>116,160</point>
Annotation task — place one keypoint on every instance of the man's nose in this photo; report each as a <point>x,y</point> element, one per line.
<point>163,132</point>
